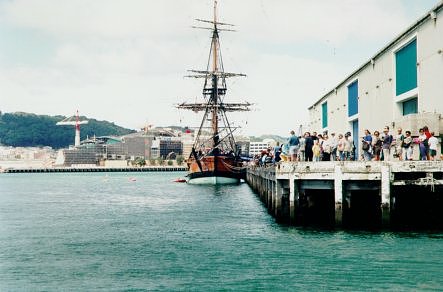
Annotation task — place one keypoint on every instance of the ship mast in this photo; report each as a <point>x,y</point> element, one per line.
<point>215,79</point>
<point>214,90</point>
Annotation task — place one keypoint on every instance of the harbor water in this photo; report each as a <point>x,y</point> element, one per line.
<point>130,231</point>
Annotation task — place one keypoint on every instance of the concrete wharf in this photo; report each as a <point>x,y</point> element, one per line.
<point>368,195</point>
<point>97,169</point>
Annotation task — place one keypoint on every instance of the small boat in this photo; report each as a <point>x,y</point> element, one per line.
<point>180,180</point>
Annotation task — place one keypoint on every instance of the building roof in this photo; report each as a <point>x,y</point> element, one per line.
<point>401,36</point>
<point>102,140</point>
<point>154,132</point>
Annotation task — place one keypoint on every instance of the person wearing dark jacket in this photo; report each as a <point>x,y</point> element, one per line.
<point>309,142</point>
<point>386,144</point>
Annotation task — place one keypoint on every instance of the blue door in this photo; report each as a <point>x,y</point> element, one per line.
<point>353,99</point>
<point>355,138</point>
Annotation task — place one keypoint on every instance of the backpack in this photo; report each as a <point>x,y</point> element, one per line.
<point>365,146</point>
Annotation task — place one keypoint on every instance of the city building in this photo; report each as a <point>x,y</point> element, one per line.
<point>257,147</point>
<point>187,139</point>
<point>152,144</point>
<point>171,147</point>
<point>400,86</point>
<point>242,145</point>
<point>155,149</point>
<point>26,157</point>
<point>138,145</point>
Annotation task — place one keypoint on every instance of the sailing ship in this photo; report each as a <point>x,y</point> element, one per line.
<point>214,158</point>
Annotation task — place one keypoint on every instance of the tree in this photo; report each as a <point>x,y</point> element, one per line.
<point>180,159</point>
<point>140,161</point>
<point>160,161</point>
<point>26,130</point>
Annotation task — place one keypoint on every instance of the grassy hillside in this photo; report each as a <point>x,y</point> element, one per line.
<point>25,129</point>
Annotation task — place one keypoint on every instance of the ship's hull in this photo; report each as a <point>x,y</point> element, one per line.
<point>213,180</point>
<point>215,170</point>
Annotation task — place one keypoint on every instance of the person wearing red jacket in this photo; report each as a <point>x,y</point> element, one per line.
<point>428,135</point>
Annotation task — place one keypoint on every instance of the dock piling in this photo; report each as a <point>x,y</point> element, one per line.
<point>368,195</point>
<point>338,192</point>
<point>385,195</point>
<point>293,199</point>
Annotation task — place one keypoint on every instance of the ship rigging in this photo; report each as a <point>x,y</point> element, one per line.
<point>214,158</point>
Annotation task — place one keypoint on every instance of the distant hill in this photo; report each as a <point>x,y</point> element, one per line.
<point>25,130</point>
<point>277,138</point>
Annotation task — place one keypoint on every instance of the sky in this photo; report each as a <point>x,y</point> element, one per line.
<point>125,61</point>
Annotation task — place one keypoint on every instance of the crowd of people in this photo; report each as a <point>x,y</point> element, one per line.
<point>377,146</point>
<point>399,146</point>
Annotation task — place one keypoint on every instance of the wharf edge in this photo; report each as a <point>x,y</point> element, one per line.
<point>375,195</point>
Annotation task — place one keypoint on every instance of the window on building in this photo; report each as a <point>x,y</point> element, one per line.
<point>353,98</point>
<point>406,68</point>
<point>410,106</point>
<point>324,114</point>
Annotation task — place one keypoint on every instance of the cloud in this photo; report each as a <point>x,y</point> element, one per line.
<point>283,20</point>
<point>96,18</point>
<point>283,98</point>
<point>300,20</point>
<point>124,60</point>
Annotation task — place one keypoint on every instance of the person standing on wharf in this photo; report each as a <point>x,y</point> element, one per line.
<point>294,144</point>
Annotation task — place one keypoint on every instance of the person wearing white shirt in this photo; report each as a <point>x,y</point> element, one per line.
<point>433,143</point>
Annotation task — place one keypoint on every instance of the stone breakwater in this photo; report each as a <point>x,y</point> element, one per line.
<point>96,169</point>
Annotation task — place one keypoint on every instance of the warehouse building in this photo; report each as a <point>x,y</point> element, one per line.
<point>170,147</point>
<point>400,86</point>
